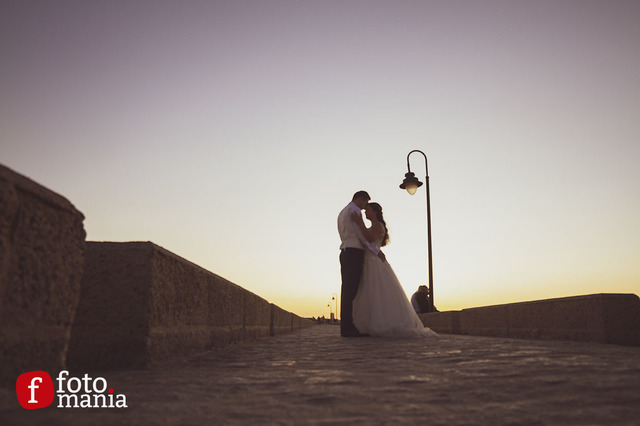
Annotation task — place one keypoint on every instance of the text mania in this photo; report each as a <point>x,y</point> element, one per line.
<point>87,393</point>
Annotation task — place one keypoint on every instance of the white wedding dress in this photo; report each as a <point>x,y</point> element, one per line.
<point>381,307</point>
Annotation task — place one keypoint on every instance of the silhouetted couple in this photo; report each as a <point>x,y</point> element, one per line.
<point>373,302</point>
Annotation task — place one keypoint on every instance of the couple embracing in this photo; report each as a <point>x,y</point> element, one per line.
<point>373,302</point>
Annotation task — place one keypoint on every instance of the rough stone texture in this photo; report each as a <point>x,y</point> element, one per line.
<point>281,320</point>
<point>141,304</point>
<point>315,377</point>
<point>41,261</point>
<point>442,322</point>
<point>298,322</point>
<point>604,318</point>
<point>257,317</point>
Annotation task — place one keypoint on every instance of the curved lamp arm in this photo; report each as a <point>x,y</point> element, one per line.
<point>411,184</point>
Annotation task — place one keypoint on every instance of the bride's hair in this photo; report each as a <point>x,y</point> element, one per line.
<point>377,208</point>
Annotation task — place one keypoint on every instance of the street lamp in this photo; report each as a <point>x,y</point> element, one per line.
<point>334,299</point>
<point>411,184</point>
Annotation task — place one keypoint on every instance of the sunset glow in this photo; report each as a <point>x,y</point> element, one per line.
<point>232,133</point>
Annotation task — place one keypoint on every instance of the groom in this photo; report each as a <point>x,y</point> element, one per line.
<point>351,260</point>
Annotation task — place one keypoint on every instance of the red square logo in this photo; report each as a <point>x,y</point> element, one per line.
<point>35,390</point>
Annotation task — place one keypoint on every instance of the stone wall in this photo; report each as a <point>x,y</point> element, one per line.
<point>67,303</point>
<point>604,318</point>
<point>41,261</point>
<point>141,304</point>
<point>443,322</point>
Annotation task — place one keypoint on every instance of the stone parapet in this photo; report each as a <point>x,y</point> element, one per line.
<point>280,321</point>
<point>442,322</point>
<point>603,318</point>
<point>141,304</point>
<point>41,261</point>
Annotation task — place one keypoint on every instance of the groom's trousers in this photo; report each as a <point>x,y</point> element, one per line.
<point>351,265</point>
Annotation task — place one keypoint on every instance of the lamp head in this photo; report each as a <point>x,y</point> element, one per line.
<point>410,183</point>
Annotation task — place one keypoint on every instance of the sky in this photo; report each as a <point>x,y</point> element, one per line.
<point>232,133</point>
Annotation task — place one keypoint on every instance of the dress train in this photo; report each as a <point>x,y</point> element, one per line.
<point>381,307</point>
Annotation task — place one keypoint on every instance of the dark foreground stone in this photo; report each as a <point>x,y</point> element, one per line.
<point>602,318</point>
<point>41,261</point>
<point>314,377</point>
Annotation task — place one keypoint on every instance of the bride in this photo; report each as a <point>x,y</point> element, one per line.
<point>381,307</point>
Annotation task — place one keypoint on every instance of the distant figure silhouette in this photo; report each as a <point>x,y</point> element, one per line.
<point>381,307</point>
<point>420,300</point>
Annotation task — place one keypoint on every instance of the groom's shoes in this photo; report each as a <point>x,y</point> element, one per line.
<point>351,331</point>
<point>354,333</point>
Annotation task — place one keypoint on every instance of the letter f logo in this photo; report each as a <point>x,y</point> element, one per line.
<point>34,390</point>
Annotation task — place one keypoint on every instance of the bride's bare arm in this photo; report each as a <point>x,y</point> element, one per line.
<point>371,234</point>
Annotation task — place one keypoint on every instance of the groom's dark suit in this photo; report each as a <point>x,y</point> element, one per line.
<point>351,263</point>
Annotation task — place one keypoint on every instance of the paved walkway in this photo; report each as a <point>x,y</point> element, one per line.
<point>314,377</point>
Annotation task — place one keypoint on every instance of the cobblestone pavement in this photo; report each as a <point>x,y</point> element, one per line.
<point>315,377</point>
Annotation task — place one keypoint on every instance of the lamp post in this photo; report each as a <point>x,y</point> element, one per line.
<point>334,299</point>
<point>411,184</point>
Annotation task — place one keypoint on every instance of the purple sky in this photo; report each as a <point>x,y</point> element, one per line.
<point>232,133</point>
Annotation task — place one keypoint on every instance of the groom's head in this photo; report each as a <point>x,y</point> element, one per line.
<point>361,198</point>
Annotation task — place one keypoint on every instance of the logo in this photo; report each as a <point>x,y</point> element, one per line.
<point>35,390</point>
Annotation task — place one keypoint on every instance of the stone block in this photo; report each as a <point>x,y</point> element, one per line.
<point>572,318</point>
<point>225,318</point>
<point>41,261</point>
<point>257,317</point>
<point>141,304</point>
<point>179,303</point>
<point>442,322</point>
<point>112,325</point>
<point>299,322</point>
<point>281,320</point>
<point>484,321</point>
<point>603,318</point>
<point>621,317</point>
